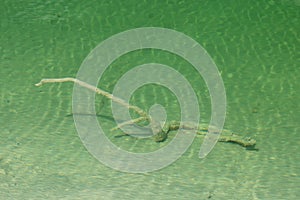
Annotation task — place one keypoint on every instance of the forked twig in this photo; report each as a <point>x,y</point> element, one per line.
<point>160,132</point>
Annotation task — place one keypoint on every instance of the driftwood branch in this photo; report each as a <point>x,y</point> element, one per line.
<point>160,134</point>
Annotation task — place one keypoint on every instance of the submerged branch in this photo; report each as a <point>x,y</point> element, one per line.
<point>160,133</point>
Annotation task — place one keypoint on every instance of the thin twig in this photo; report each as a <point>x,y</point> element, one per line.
<point>130,122</point>
<point>98,91</point>
<point>162,132</point>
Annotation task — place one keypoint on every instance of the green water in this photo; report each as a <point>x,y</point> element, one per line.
<point>255,45</point>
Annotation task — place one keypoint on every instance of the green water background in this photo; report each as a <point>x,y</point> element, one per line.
<point>255,45</point>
